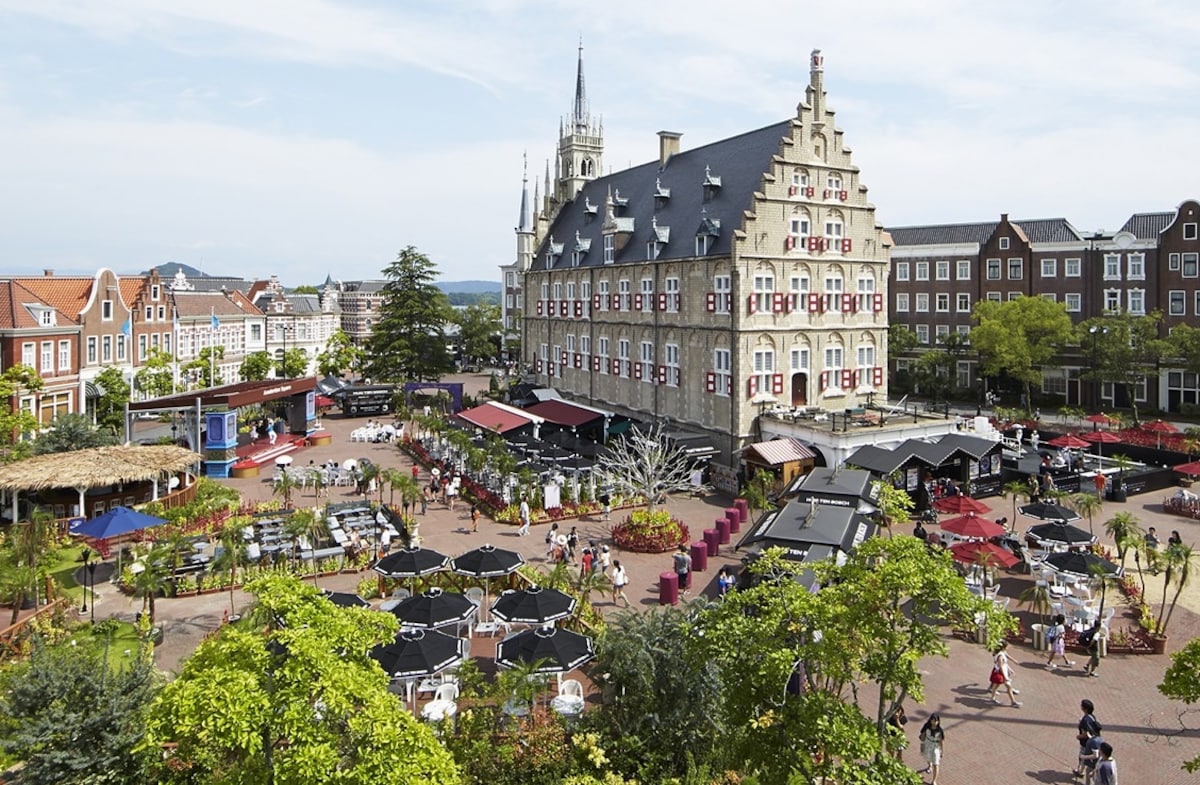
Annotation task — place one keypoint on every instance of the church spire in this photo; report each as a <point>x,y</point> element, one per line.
<point>525,224</point>
<point>579,118</point>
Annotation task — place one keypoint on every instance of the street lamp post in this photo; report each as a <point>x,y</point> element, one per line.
<point>91,576</point>
<point>1096,331</point>
<point>87,555</point>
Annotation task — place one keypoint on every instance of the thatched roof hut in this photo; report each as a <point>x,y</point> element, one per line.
<point>97,467</point>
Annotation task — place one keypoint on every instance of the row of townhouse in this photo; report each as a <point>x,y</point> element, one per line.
<point>1152,263</point>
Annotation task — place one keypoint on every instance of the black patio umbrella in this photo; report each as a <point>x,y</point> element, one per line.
<point>434,608</point>
<point>1080,563</point>
<point>1060,532</point>
<point>534,605</point>
<point>1049,511</point>
<point>551,453</point>
<point>416,653</point>
<point>345,599</point>
<point>411,563</point>
<point>575,464</point>
<point>487,561</point>
<point>557,650</point>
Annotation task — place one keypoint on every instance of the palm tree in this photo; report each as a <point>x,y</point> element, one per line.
<point>284,486</point>
<point>1038,598</point>
<point>1125,532</point>
<point>1016,489</point>
<point>233,553</point>
<point>372,472</point>
<point>307,523</point>
<point>29,541</point>
<point>1179,559</point>
<point>152,577</point>
<point>1086,504</point>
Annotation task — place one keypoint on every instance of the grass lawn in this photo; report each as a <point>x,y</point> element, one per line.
<point>62,569</point>
<point>124,639</point>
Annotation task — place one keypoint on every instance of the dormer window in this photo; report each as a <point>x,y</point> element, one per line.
<point>707,234</point>
<point>553,252</point>
<point>590,209</point>
<point>582,246</point>
<point>712,184</point>
<point>661,195</point>
<point>1003,243</point>
<point>659,237</point>
<point>46,317</point>
<point>609,248</point>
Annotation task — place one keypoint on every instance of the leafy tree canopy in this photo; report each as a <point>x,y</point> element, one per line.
<point>1019,336</point>
<point>1123,348</point>
<point>293,364</point>
<point>156,377</point>
<point>255,366</point>
<point>340,355</point>
<point>110,407</point>
<point>1182,682</point>
<point>203,368</point>
<point>479,330</point>
<point>70,432</point>
<point>73,720</point>
<point>409,339</point>
<point>16,421</point>
<point>305,289</point>
<point>290,695</point>
<point>901,340</point>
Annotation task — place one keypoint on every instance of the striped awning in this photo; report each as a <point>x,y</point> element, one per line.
<point>94,389</point>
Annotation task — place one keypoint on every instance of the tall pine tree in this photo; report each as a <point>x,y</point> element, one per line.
<point>408,342</point>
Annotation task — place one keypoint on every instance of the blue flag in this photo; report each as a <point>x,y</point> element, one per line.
<point>127,328</point>
<point>216,323</point>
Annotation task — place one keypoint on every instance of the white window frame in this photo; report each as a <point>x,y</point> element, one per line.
<point>1135,266</point>
<point>835,287</point>
<point>963,273</point>
<point>1072,267</point>
<point>671,288</point>
<point>1004,243</point>
<point>602,353</point>
<point>1112,300</point>
<point>671,361</point>
<point>995,269</point>
<point>922,271</point>
<point>646,358</point>
<point>922,304</point>
<point>1136,302</point>
<point>941,270</point>
<point>902,302</point>
<point>1112,266</point>
<point>1177,296</point>
<point>609,248</point>
<point>64,355</point>
<point>47,357</point>
<point>722,371</point>
<point>623,358</point>
<point>764,368</point>
<point>1016,264</point>
<point>723,292</point>
<point>963,304</point>
<point>1049,268</point>
<point>1073,302</point>
<point>923,334</point>
<point>798,289</point>
<point>764,290</point>
<point>901,271</point>
<point>941,302</point>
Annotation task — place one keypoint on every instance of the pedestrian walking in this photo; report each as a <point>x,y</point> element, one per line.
<point>572,544</point>
<point>525,518</point>
<point>1056,635</point>
<point>604,559</point>
<point>1090,757</point>
<point>1106,769</point>
<point>724,580</point>
<point>474,517</point>
<point>896,724</point>
<point>619,581</point>
<point>586,562</point>
<point>933,740</point>
<point>424,500</point>
<point>415,471</point>
<point>1087,728</point>
<point>606,504</point>
<point>551,537</point>
<point>682,561</point>
<point>1002,675</point>
<point>1090,640</point>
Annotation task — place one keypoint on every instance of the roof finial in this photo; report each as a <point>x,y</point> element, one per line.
<point>580,117</point>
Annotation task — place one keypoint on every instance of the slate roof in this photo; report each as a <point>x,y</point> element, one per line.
<point>1038,230</point>
<point>1147,226</point>
<point>825,483</point>
<point>739,162</point>
<point>799,526</point>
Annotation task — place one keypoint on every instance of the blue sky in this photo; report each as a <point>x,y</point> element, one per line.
<point>302,137</point>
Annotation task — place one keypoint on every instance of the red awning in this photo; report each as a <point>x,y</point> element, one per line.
<point>494,418</point>
<point>562,412</point>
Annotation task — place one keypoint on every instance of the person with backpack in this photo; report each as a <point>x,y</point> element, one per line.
<point>1086,729</point>
<point>682,562</point>
<point>1090,640</point>
<point>1056,636</point>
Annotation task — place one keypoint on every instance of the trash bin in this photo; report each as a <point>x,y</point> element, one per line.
<point>699,556</point>
<point>712,538</point>
<point>723,530</point>
<point>668,588</point>
<point>981,628</point>
<point>1102,646</point>
<point>1039,637</point>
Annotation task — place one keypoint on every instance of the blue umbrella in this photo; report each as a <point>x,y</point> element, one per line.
<point>115,522</point>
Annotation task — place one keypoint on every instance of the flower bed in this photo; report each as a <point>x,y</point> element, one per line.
<point>650,532</point>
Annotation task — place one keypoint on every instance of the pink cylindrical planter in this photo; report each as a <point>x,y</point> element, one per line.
<point>743,508</point>
<point>712,538</point>
<point>668,588</point>
<point>723,530</point>
<point>699,556</point>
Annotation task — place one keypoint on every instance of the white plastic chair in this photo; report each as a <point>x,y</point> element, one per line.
<point>475,595</point>
<point>569,701</point>
<point>446,691</point>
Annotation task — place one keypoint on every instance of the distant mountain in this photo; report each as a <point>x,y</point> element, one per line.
<point>168,270</point>
<point>469,287</point>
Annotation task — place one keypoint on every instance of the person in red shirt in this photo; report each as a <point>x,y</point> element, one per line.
<point>415,471</point>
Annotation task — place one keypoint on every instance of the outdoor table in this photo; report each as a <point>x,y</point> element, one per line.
<point>713,539</point>
<point>668,588</point>
<point>437,710</point>
<point>699,552</point>
<point>723,526</point>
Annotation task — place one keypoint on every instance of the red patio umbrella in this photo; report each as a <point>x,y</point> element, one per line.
<point>960,505</point>
<point>1100,419</point>
<point>1100,438</point>
<point>1070,441</point>
<point>973,526</point>
<point>987,553</point>
<point>1158,428</point>
<point>1191,469</point>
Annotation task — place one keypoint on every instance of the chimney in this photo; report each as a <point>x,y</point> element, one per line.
<point>48,272</point>
<point>668,145</point>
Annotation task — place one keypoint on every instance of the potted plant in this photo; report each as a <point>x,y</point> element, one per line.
<point>1038,598</point>
<point>1124,464</point>
<point>1177,563</point>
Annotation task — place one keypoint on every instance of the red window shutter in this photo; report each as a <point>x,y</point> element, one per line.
<point>677,301</point>
<point>814,302</point>
<point>616,366</point>
<point>662,301</point>
<point>825,194</point>
<point>596,364</point>
<point>877,302</point>
<point>789,243</point>
<point>566,357</point>
<point>616,302</point>
<point>579,308</point>
<point>550,369</point>
<point>710,382</point>
<point>551,309</point>
<point>595,302</point>
<point>777,299</point>
<point>539,366</point>
<point>791,190</point>
<point>777,384</point>
<point>710,301</point>
<point>752,304</point>
<point>877,375</point>
<point>729,384</point>
<point>578,360</point>
<point>637,371</point>
<point>814,242</point>
<point>637,301</point>
<point>541,306</point>
<point>752,386</point>
<point>847,302</point>
<point>847,379</point>
<point>564,307</point>
<point>824,382</point>
<point>809,191</point>
<point>843,195</point>
<point>662,374</point>
<point>847,244</point>
<point>789,303</point>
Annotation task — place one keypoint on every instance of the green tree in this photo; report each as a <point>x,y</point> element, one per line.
<point>409,340</point>
<point>1125,531</point>
<point>110,406</point>
<point>151,574</point>
<point>255,366</point>
<point>340,355</point>
<point>294,697</point>
<point>1184,345</point>
<point>1182,682</point>
<point>1017,490</point>
<point>16,421</point>
<point>1126,349</point>
<point>203,368</point>
<point>305,289</point>
<point>1178,561</point>
<point>234,553</point>
<point>479,330</point>
<point>901,340</point>
<point>73,720</point>
<point>70,432</point>
<point>28,543</point>
<point>306,523</point>
<point>156,377</point>
<point>663,704</point>
<point>895,505</point>
<point>1086,504</point>
<point>294,364</point>
<point>1018,337</point>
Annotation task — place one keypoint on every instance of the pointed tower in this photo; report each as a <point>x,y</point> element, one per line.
<point>580,144</point>
<point>525,226</point>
